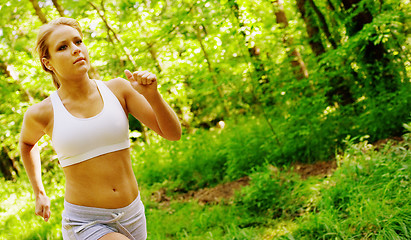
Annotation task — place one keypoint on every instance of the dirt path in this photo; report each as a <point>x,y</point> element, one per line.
<point>325,168</point>
<point>226,190</point>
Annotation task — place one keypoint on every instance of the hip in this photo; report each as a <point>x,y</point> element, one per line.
<point>81,222</point>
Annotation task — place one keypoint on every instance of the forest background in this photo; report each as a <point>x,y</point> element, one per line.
<point>258,86</point>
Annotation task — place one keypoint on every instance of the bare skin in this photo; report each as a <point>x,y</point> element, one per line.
<point>106,181</point>
<point>114,236</point>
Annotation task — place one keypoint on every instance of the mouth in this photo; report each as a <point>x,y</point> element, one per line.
<point>79,59</point>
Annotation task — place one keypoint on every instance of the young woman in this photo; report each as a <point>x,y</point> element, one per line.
<point>87,122</point>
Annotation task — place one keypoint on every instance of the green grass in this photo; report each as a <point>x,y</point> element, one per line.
<point>367,197</point>
<point>17,218</point>
<point>207,158</point>
<point>190,220</point>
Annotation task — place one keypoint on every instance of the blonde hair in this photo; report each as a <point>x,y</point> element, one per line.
<point>42,47</point>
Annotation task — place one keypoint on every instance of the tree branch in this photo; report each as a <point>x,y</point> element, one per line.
<point>126,51</point>
<point>59,8</point>
<point>39,13</point>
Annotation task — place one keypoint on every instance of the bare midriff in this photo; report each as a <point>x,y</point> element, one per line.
<point>106,181</point>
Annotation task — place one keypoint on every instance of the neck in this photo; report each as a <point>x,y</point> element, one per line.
<point>79,87</point>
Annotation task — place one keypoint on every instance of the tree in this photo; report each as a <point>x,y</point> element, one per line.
<point>253,50</point>
<point>296,59</point>
<point>200,29</point>
<point>312,28</point>
<point>59,8</point>
<point>39,13</point>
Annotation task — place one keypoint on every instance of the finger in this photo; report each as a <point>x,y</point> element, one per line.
<point>145,78</point>
<point>39,211</point>
<point>152,78</point>
<point>137,76</point>
<point>46,213</point>
<point>46,216</point>
<point>129,75</point>
<point>142,76</point>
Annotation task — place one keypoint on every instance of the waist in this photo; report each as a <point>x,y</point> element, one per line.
<point>102,198</point>
<point>80,211</point>
<point>105,181</point>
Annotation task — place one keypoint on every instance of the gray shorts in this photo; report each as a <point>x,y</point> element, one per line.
<point>91,223</point>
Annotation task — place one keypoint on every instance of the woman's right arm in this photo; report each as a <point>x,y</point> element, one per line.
<point>32,130</point>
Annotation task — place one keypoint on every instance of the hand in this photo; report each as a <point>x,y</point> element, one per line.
<point>143,82</point>
<point>43,206</point>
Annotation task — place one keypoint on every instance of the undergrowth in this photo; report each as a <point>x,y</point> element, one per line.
<point>207,158</point>
<point>367,197</point>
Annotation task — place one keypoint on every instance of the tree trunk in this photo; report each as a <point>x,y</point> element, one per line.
<point>110,29</point>
<point>340,91</point>
<point>26,94</point>
<point>9,166</point>
<point>39,13</point>
<point>254,51</point>
<point>323,24</point>
<point>153,54</point>
<point>379,79</point>
<point>358,21</point>
<point>59,8</point>
<point>151,48</point>
<point>312,29</point>
<point>210,67</point>
<point>300,70</point>
<point>336,17</point>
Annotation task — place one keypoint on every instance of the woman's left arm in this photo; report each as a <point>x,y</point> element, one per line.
<point>144,102</point>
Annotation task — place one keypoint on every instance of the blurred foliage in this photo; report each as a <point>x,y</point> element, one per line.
<point>366,197</point>
<point>226,60</point>
<point>226,67</point>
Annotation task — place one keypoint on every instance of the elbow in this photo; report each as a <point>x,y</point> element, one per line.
<point>173,139</point>
<point>23,146</point>
<point>175,136</point>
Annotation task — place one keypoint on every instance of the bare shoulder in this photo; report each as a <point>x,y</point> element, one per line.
<point>41,112</point>
<point>125,93</point>
<point>121,88</point>
<point>118,85</point>
<point>37,121</point>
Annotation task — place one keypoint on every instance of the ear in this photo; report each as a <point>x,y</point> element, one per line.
<point>46,63</point>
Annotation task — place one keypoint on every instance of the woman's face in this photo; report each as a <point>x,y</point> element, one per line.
<point>68,54</point>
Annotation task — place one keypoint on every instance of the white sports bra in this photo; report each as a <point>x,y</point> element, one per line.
<point>78,139</point>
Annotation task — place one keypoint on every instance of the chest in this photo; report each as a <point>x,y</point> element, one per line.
<point>86,107</point>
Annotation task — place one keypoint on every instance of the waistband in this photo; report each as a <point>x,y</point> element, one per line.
<point>84,212</point>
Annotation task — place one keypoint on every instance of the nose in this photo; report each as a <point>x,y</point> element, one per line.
<point>75,49</point>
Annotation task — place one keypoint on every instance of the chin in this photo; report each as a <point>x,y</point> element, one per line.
<point>84,68</point>
<point>80,72</point>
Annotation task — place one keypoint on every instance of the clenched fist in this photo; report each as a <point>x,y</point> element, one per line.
<point>143,82</point>
<point>43,207</point>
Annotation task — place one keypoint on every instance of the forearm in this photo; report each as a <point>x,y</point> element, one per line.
<point>166,118</point>
<point>31,160</point>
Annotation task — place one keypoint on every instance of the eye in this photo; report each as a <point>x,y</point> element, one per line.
<point>62,47</point>
<point>78,42</point>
